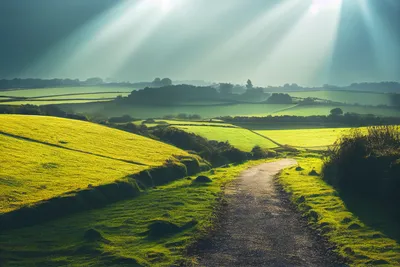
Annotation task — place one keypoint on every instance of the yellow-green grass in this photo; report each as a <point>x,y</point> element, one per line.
<point>31,172</point>
<point>61,242</point>
<point>348,97</point>
<point>325,110</point>
<point>90,138</point>
<point>186,123</point>
<point>240,138</point>
<point>36,92</point>
<point>306,137</point>
<point>85,96</point>
<point>52,102</point>
<point>362,245</point>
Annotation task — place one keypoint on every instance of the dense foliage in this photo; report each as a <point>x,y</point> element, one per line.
<point>367,165</point>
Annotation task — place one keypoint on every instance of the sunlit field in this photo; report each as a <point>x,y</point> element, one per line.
<point>306,137</point>
<point>240,138</point>
<point>32,172</point>
<point>89,138</point>
<point>47,156</point>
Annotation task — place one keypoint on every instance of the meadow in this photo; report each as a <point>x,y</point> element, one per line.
<point>347,97</point>
<point>62,95</point>
<point>48,156</point>
<point>324,110</point>
<point>326,211</point>
<point>240,138</point>
<point>124,227</point>
<point>306,138</point>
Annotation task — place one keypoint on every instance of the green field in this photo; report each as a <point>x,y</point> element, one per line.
<point>63,95</point>
<point>38,92</point>
<point>360,244</point>
<point>325,110</point>
<point>145,112</point>
<point>309,138</point>
<point>240,138</point>
<point>347,97</point>
<point>48,156</point>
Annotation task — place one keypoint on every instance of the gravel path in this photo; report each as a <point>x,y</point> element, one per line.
<point>259,228</point>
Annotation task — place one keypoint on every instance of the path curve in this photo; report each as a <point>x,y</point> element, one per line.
<point>259,228</point>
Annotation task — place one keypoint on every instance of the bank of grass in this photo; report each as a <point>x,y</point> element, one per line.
<point>240,138</point>
<point>123,227</point>
<point>360,244</point>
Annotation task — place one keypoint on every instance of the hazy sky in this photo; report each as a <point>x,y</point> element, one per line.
<point>309,42</point>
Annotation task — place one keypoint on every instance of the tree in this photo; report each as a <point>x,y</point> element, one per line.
<point>336,112</point>
<point>225,88</point>
<point>94,81</point>
<point>157,82</point>
<point>166,82</point>
<point>249,84</point>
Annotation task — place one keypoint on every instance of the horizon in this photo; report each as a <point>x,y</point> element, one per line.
<point>310,43</point>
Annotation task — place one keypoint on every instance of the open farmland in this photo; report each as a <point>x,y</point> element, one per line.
<point>206,112</point>
<point>307,138</point>
<point>311,110</point>
<point>47,156</point>
<point>240,138</point>
<point>347,97</point>
<point>62,95</point>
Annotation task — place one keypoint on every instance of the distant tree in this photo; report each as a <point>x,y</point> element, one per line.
<point>249,84</point>
<point>279,98</point>
<point>225,88</point>
<point>166,82</point>
<point>336,112</point>
<point>94,81</point>
<point>157,82</point>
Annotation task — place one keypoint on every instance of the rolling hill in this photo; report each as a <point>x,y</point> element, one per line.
<point>45,157</point>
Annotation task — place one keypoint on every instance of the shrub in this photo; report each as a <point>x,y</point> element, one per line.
<point>367,165</point>
<point>261,153</point>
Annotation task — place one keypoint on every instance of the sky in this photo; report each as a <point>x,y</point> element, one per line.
<point>271,42</point>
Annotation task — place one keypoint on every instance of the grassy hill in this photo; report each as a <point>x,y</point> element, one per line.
<point>44,157</point>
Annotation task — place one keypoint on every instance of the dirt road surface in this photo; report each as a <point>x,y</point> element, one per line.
<point>258,226</point>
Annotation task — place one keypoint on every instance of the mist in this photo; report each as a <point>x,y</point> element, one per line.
<point>269,41</point>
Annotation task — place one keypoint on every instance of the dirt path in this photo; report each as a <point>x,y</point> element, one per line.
<point>258,227</point>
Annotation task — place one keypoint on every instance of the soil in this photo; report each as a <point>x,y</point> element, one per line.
<point>258,226</point>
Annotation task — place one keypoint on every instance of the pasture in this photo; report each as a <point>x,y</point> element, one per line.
<point>240,138</point>
<point>347,97</point>
<point>311,110</point>
<point>206,112</point>
<point>48,156</point>
<point>62,95</point>
<point>307,138</point>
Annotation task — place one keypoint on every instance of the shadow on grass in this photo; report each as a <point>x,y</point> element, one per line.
<point>374,215</point>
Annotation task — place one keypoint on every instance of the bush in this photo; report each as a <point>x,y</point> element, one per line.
<point>261,153</point>
<point>367,165</point>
